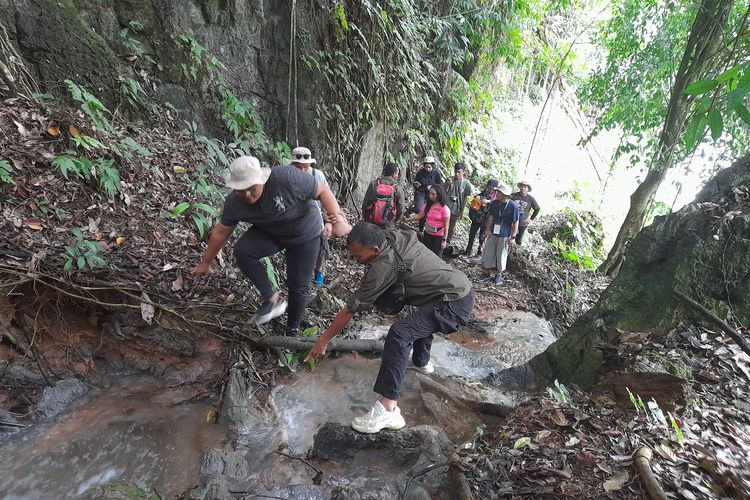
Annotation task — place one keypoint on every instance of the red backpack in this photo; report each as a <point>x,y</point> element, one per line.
<point>383,210</point>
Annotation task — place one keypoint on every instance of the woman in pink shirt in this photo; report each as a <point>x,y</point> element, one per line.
<point>438,220</point>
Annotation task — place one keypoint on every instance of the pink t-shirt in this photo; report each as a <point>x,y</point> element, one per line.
<point>435,216</point>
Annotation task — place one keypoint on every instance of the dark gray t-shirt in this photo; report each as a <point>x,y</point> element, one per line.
<point>285,210</point>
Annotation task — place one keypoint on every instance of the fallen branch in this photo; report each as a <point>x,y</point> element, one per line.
<point>739,339</point>
<point>483,407</point>
<point>547,470</point>
<point>643,463</point>
<point>306,343</point>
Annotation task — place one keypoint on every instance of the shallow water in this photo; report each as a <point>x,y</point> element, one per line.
<point>138,431</point>
<point>130,431</point>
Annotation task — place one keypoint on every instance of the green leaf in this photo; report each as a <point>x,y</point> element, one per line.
<point>701,87</point>
<point>737,96</point>
<point>728,74</point>
<point>200,222</point>
<point>180,208</point>
<point>312,363</point>
<point>207,208</point>
<point>716,123</point>
<point>743,113</point>
<point>81,262</point>
<point>68,265</point>
<point>309,332</point>
<point>694,132</point>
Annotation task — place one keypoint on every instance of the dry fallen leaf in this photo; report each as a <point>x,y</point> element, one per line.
<point>73,131</point>
<point>559,418</point>
<point>617,481</point>
<point>147,310</point>
<point>177,284</point>
<point>541,435</point>
<point>522,442</point>
<point>34,223</point>
<point>586,459</point>
<point>665,452</point>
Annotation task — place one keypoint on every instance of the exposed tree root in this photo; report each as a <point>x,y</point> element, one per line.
<point>643,462</point>
<point>739,339</point>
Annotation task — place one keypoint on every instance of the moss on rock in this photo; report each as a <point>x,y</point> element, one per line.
<point>703,251</point>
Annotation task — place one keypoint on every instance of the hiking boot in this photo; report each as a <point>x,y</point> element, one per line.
<point>426,369</point>
<point>485,277</point>
<point>319,278</point>
<point>269,310</point>
<point>377,419</point>
<point>499,280</point>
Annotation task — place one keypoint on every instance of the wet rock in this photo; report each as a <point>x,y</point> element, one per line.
<point>239,413</point>
<point>120,490</point>
<point>55,399</point>
<point>222,462</point>
<point>300,492</point>
<point>7,418</point>
<point>214,488</point>
<point>338,442</point>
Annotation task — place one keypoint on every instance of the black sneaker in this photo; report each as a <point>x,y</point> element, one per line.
<point>292,332</point>
<point>499,280</point>
<point>485,277</point>
<point>268,311</point>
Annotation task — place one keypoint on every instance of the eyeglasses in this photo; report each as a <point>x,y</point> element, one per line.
<point>300,157</point>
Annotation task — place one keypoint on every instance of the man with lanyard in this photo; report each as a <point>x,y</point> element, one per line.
<point>303,160</point>
<point>527,205</point>
<point>389,178</point>
<point>502,227</point>
<point>459,189</point>
<point>443,295</point>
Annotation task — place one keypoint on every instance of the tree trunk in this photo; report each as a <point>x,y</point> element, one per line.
<point>705,38</point>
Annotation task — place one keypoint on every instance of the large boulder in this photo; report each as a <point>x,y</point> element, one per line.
<point>703,250</point>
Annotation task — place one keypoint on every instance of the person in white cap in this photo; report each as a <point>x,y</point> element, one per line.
<point>278,203</point>
<point>427,176</point>
<point>502,227</point>
<point>303,160</point>
<point>528,207</point>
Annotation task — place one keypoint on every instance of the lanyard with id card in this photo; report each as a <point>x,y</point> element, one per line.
<point>496,228</point>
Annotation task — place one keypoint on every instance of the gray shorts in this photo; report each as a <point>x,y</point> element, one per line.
<point>495,254</point>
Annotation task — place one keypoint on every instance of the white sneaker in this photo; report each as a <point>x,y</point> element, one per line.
<point>426,369</point>
<point>268,310</point>
<point>377,419</point>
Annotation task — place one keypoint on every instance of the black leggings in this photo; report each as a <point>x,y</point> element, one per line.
<point>434,243</point>
<point>300,264</point>
<point>476,227</point>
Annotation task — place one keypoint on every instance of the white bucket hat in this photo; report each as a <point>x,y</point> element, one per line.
<point>302,155</point>
<point>505,189</point>
<point>245,172</point>
<point>525,183</point>
<point>428,159</point>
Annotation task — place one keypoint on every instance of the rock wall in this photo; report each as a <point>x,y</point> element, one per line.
<point>91,43</point>
<point>703,251</point>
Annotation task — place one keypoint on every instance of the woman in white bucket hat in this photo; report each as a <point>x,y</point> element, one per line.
<point>277,202</point>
